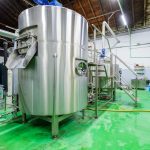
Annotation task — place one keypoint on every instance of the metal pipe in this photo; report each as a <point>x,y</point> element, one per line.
<point>96,97</point>
<point>97,29</point>
<point>135,45</point>
<point>114,46</point>
<point>7,34</point>
<point>105,25</point>
<point>5,73</point>
<point>10,28</point>
<point>110,17</point>
<point>136,92</point>
<point>103,15</point>
<point>28,3</point>
<point>94,45</point>
<point>102,36</point>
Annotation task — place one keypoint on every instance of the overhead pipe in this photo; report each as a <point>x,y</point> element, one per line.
<point>110,17</point>
<point>104,26</point>
<point>103,35</point>
<point>8,34</point>
<point>110,13</point>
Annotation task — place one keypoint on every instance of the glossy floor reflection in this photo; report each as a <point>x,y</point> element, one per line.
<point>112,130</point>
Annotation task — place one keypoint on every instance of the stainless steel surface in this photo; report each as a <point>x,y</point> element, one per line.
<point>62,34</point>
<point>16,60</point>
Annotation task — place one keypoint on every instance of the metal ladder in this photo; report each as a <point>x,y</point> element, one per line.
<point>99,71</point>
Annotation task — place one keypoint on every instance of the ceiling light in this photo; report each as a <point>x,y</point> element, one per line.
<point>124,20</point>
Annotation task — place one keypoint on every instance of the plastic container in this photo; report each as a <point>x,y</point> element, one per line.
<point>148,88</point>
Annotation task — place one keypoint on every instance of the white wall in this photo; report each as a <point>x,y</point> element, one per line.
<point>140,48</point>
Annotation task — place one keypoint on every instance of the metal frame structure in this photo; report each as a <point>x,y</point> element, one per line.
<point>12,36</point>
<point>54,119</point>
<point>113,63</point>
<point>96,65</point>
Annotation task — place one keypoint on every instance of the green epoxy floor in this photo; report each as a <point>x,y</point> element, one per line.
<point>111,131</point>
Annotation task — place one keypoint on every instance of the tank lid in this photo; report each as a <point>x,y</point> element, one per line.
<point>46,2</point>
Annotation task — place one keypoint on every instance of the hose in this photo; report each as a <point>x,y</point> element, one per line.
<point>120,110</point>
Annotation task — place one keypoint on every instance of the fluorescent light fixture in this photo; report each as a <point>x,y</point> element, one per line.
<point>124,20</point>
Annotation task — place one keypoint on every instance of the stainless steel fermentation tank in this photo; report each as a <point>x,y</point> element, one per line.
<point>53,46</point>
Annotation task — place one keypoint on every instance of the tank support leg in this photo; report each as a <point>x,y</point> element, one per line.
<point>83,113</point>
<point>24,119</point>
<point>55,126</point>
<point>114,94</point>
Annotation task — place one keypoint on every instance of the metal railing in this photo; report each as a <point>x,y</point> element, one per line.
<point>113,75</point>
<point>126,86</point>
<point>113,63</point>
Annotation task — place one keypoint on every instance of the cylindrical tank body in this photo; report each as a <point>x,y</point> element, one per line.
<point>51,81</point>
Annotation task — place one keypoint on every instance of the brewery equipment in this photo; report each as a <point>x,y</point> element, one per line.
<point>51,57</point>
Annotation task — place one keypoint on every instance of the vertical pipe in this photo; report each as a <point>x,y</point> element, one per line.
<point>94,45</point>
<point>136,83</point>
<point>115,78</point>
<point>5,76</point>
<point>54,116</point>
<point>111,65</point>
<point>136,94</point>
<point>96,98</point>
<point>5,101</point>
<point>103,37</point>
<point>115,67</point>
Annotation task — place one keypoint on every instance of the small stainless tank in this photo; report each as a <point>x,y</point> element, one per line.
<point>56,77</point>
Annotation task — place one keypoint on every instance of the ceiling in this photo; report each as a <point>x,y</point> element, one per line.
<point>137,12</point>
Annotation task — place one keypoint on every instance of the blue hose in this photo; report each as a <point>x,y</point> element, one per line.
<point>46,2</point>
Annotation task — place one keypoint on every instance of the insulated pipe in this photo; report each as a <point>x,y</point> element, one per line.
<point>95,46</point>
<point>110,13</point>
<point>5,80</point>
<point>7,34</point>
<point>110,17</point>
<point>104,26</point>
<point>102,35</point>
